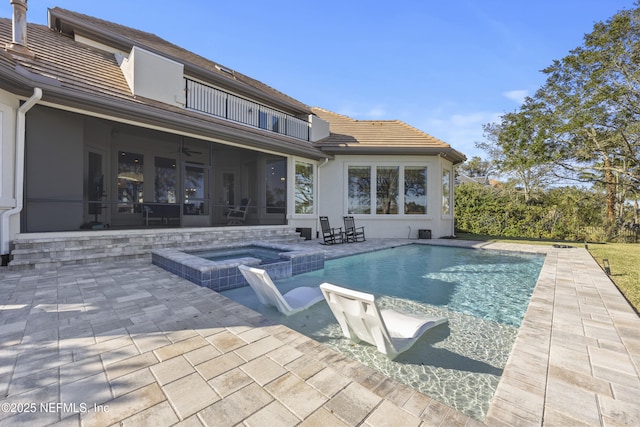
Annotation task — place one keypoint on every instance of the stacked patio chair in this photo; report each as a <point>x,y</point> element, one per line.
<point>331,236</point>
<point>351,232</point>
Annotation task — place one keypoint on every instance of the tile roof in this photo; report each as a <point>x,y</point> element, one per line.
<point>69,21</point>
<point>380,136</point>
<point>85,78</point>
<point>67,64</point>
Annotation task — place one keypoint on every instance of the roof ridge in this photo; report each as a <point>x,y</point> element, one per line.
<point>334,113</point>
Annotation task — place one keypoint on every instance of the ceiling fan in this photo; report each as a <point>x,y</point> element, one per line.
<point>188,152</point>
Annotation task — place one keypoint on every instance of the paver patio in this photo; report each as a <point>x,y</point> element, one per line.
<point>127,342</point>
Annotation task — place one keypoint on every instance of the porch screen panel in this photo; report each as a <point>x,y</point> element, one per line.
<point>304,188</point>
<point>95,183</point>
<point>195,192</point>
<point>130,181</point>
<point>165,180</point>
<point>276,189</point>
<point>415,190</point>
<point>387,189</point>
<point>359,191</point>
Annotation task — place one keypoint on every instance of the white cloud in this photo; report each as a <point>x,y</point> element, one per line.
<point>516,95</point>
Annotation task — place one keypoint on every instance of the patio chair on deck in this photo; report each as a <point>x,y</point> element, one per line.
<point>330,235</point>
<point>295,300</point>
<point>351,232</point>
<point>237,215</point>
<point>390,331</point>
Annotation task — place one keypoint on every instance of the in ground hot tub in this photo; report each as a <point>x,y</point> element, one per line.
<point>267,255</point>
<point>217,267</point>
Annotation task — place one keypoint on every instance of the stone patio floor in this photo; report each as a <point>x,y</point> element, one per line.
<point>129,343</point>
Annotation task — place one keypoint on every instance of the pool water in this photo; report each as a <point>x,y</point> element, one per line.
<point>483,294</point>
<point>266,255</point>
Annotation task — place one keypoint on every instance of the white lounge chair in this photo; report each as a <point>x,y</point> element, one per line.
<point>295,300</point>
<point>390,331</point>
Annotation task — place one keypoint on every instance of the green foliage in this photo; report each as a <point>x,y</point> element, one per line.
<point>584,122</point>
<point>476,167</point>
<point>565,213</point>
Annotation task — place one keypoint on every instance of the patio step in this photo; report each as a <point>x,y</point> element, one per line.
<point>50,250</point>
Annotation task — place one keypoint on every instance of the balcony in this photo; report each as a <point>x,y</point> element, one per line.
<point>209,100</point>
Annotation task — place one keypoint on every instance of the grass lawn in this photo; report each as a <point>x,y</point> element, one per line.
<point>624,259</point>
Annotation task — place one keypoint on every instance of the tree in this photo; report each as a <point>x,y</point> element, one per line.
<point>476,168</point>
<point>592,102</point>
<point>516,149</point>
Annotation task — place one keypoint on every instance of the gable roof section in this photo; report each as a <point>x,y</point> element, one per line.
<point>89,80</point>
<point>380,137</point>
<point>124,38</point>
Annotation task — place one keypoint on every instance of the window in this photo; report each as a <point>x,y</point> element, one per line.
<point>165,180</point>
<point>388,196</point>
<point>130,181</point>
<point>446,192</point>
<point>415,190</point>
<point>304,188</point>
<point>359,191</point>
<point>387,183</point>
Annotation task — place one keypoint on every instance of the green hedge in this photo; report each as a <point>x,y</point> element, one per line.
<point>561,213</point>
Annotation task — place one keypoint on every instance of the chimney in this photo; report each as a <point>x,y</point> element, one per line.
<point>18,44</point>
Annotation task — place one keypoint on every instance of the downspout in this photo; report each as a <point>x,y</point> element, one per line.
<point>19,173</point>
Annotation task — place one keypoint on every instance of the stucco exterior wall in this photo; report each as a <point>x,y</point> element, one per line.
<point>8,107</point>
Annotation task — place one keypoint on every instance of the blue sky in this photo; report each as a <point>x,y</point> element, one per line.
<point>446,68</point>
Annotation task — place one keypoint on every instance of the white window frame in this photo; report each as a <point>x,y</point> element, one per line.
<point>449,197</point>
<point>373,166</point>
<point>292,188</point>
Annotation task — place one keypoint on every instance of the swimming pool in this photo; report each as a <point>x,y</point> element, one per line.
<point>482,293</point>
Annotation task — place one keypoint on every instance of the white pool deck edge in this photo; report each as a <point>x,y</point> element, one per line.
<point>138,345</point>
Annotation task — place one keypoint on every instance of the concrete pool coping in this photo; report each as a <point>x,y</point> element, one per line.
<point>137,343</point>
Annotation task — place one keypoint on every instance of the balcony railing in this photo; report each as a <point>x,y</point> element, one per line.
<point>216,102</point>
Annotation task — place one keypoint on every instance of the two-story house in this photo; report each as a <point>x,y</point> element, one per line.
<point>106,127</point>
